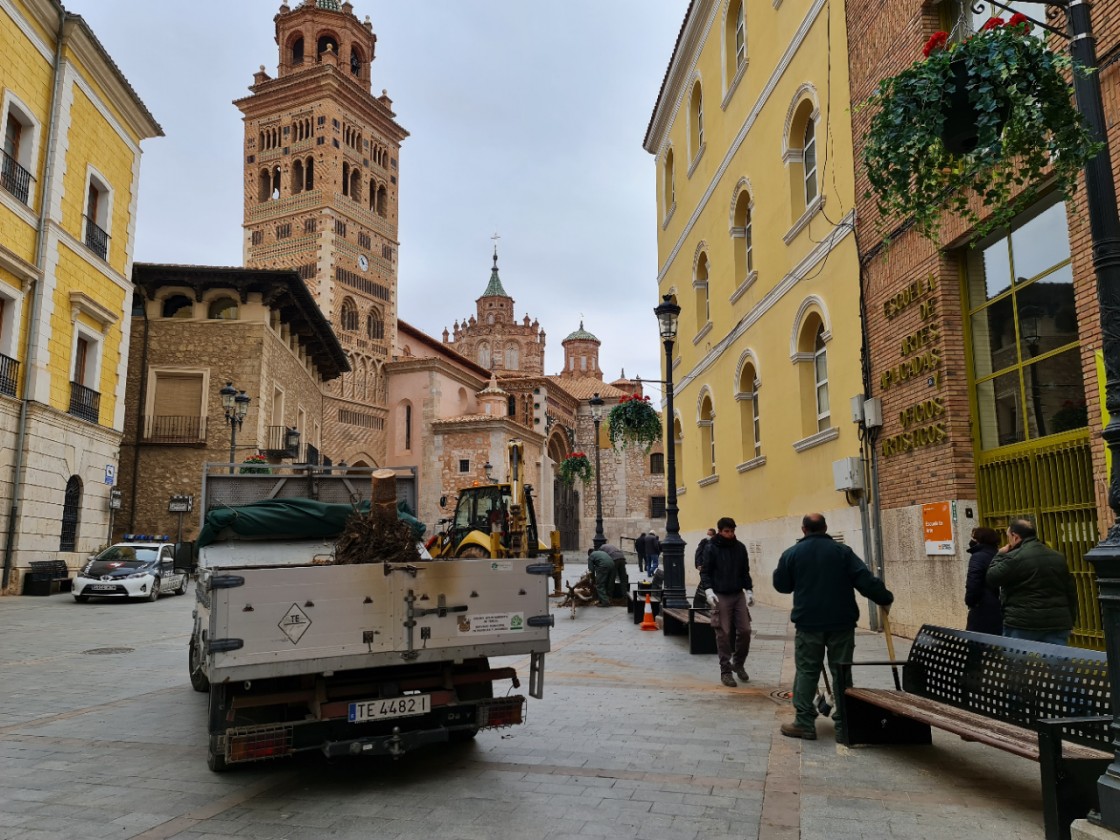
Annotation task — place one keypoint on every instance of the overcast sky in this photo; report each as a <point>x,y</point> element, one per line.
<point>526,119</point>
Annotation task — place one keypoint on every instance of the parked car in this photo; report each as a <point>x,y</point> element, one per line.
<point>142,566</point>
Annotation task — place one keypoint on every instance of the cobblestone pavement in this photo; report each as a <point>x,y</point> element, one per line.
<point>102,736</point>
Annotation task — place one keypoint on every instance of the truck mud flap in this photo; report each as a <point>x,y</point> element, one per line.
<point>395,745</point>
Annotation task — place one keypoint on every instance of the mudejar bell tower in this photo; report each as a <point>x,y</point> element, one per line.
<point>321,187</point>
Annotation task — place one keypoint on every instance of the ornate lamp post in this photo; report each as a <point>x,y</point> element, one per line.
<point>672,547</point>
<point>236,406</point>
<point>596,403</point>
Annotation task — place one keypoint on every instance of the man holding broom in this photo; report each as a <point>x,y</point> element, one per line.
<point>823,576</point>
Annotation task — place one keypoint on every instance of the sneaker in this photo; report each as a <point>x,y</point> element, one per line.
<point>728,681</point>
<point>792,730</point>
<point>740,672</point>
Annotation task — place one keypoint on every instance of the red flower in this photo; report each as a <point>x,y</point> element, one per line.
<point>992,23</point>
<point>935,43</point>
<point>1019,19</point>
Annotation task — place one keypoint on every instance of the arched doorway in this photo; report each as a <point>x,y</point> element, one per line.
<point>566,503</point>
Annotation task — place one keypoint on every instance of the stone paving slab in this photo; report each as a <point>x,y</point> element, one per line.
<point>635,739</point>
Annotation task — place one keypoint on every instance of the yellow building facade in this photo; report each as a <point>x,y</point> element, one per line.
<point>69,177</point>
<point>751,137</point>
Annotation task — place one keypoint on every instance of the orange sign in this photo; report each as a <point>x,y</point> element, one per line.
<point>937,522</point>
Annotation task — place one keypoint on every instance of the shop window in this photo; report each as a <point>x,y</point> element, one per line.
<point>1026,359</point>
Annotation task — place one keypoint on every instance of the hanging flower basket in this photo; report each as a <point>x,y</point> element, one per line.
<point>255,464</point>
<point>634,421</point>
<point>991,118</point>
<point>575,466</point>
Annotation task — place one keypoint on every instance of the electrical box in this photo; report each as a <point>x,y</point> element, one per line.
<point>857,408</point>
<point>873,413</point>
<point>847,474</point>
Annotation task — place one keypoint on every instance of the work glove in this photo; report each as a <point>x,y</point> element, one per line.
<point>711,596</point>
<point>750,598</point>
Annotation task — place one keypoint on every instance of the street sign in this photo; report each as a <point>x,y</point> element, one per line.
<point>110,474</point>
<point>180,504</point>
<point>114,499</point>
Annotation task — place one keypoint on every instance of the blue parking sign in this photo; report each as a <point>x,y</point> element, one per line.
<point>110,473</point>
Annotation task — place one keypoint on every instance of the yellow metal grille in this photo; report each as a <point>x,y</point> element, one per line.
<point>1050,480</point>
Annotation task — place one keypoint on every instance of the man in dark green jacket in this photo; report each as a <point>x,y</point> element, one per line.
<point>823,576</point>
<point>1036,589</point>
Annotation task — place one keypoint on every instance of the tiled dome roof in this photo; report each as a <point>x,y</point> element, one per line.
<point>581,334</point>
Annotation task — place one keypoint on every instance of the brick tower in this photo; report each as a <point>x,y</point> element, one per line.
<point>321,191</point>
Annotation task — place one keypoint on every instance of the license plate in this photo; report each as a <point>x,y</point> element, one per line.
<point>104,587</point>
<point>395,707</point>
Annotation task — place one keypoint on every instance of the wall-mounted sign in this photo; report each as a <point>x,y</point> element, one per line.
<point>180,504</point>
<point>937,522</point>
<point>110,474</point>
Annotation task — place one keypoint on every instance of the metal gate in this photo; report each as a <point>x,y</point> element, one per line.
<point>567,514</point>
<point>1051,481</point>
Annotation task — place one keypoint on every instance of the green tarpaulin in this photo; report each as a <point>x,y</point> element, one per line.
<point>290,519</point>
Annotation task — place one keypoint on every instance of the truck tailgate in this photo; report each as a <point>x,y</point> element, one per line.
<point>276,621</point>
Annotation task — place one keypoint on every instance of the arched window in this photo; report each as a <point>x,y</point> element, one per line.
<point>678,447</point>
<point>356,185</point>
<point>735,39</point>
<point>345,178</point>
<point>696,120</point>
<point>372,194</point>
<point>513,358</point>
<point>309,174</point>
<point>264,185</point>
<point>809,155</point>
<point>700,284</point>
<point>355,62</point>
<point>484,355</point>
<point>707,435</point>
<point>820,373</point>
<point>511,406</point>
<point>177,306</point>
<point>297,51</point>
<point>222,309</point>
<point>668,188</point>
<point>408,426</point>
<point>382,201</point>
<point>375,327</point>
<point>71,515</point>
<point>297,176</point>
<point>326,42</point>
<point>276,182</point>
<point>742,234</point>
<point>349,315</point>
<point>748,412</point>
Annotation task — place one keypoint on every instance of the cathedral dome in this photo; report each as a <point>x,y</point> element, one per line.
<point>580,335</point>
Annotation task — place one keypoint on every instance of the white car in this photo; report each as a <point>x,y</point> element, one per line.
<point>139,567</point>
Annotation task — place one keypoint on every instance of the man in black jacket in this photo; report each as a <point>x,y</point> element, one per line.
<point>725,577</point>
<point>823,576</point>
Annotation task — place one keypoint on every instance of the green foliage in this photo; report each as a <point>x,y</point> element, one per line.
<point>634,421</point>
<point>575,466</point>
<point>1043,140</point>
<point>257,464</point>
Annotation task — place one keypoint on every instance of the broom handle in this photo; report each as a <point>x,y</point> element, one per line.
<point>890,646</point>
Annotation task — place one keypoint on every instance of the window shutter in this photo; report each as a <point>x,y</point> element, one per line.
<point>178,395</point>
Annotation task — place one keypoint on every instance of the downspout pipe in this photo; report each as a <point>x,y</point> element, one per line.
<point>32,334</point>
<point>139,422</point>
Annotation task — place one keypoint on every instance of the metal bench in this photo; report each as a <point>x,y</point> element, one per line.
<point>1048,703</point>
<point>47,577</point>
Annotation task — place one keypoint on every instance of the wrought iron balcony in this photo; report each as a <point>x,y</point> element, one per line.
<point>174,430</point>
<point>97,240</point>
<point>14,178</point>
<point>85,403</point>
<point>9,375</point>
<point>281,441</point>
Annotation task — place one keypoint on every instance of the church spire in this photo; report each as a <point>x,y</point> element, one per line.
<point>494,287</point>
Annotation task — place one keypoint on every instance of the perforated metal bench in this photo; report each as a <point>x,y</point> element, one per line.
<point>1048,703</point>
<point>46,577</point>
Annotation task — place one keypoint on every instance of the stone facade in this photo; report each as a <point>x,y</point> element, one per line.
<point>276,355</point>
<point>321,173</point>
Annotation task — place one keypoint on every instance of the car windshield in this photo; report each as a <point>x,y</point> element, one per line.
<point>129,555</point>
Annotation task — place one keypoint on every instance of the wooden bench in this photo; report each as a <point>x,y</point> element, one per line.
<point>46,577</point>
<point>1048,703</point>
<point>697,622</point>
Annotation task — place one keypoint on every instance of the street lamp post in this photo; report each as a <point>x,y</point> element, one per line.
<point>597,416</point>
<point>236,406</point>
<point>672,547</point>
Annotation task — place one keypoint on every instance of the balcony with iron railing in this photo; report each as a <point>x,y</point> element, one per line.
<point>9,375</point>
<point>281,442</point>
<point>15,179</point>
<point>85,403</point>
<point>97,240</point>
<point>174,430</point>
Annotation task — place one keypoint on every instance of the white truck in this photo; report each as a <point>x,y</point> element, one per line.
<point>299,653</point>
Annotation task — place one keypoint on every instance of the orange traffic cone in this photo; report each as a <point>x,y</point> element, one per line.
<point>647,620</point>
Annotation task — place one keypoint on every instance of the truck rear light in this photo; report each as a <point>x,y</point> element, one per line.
<point>259,743</point>
<point>503,711</point>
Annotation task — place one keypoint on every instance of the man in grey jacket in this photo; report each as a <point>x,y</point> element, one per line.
<point>1036,589</point>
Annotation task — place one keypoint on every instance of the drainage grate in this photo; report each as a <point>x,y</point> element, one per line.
<point>104,651</point>
<point>781,695</point>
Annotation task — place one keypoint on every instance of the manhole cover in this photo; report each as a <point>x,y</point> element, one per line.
<point>781,696</point>
<point>104,651</point>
